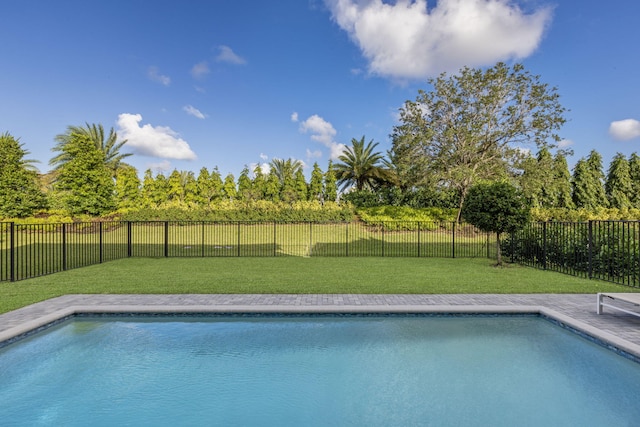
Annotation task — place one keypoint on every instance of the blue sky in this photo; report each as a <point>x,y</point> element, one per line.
<point>230,83</point>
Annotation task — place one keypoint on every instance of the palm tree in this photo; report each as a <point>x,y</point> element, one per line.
<point>109,146</point>
<point>284,169</point>
<point>361,167</point>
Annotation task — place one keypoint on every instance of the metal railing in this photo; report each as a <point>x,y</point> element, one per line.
<point>31,250</point>
<point>605,250</point>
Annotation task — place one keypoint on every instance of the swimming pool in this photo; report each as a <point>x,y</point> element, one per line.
<point>315,370</point>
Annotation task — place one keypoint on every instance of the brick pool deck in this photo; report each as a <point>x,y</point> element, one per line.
<point>578,311</point>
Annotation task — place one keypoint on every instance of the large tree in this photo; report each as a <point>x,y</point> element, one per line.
<point>634,173</point>
<point>474,125</point>
<point>360,167</point>
<point>20,194</point>
<point>84,182</point>
<point>108,144</point>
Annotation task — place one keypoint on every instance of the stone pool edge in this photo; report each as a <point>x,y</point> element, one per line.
<point>37,324</point>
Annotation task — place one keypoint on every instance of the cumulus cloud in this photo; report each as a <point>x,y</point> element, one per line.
<point>161,167</point>
<point>323,132</point>
<point>158,141</point>
<point>624,130</point>
<point>294,117</point>
<point>226,54</point>
<point>408,40</point>
<point>200,70</point>
<point>193,111</point>
<point>154,75</point>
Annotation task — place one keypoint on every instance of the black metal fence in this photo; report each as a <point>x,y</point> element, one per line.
<point>605,250</point>
<point>31,250</point>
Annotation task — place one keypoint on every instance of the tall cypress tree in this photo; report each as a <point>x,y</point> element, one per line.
<point>85,183</point>
<point>594,162</point>
<point>20,194</point>
<point>330,184</point>
<point>634,175</point>
<point>587,183</point>
<point>244,185</point>
<point>301,188</point>
<point>562,181</point>
<point>229,187</point>
<point>618,184</point>
<point>315,184</point>
<point>127,187</point>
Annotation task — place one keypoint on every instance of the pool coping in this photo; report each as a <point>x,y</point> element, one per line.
<point>39,321</point>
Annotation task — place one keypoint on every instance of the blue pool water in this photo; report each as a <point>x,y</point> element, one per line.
<point>315,370</point>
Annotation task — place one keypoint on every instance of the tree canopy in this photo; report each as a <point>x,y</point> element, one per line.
<point>496,207</point>
<point>474,126</point>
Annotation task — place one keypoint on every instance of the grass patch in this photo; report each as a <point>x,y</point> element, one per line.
<point>293,275</point>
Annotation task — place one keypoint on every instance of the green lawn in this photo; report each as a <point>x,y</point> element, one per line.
<point>370,275</point>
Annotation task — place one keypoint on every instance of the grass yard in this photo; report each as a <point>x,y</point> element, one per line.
<point>330,275</point>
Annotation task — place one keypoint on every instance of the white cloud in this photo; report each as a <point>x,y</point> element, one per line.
<point>152,141</point>
<point>323,132</point>
<point>314,154</point>
<point>193,111</point>
<point>154,75</point>
<point>161,167</point>
<point>565,143</point>
<point>226,54</point>
<point>264,157</point>
<point>200,70</point>
<point>624,130</point>
<point>294,117</point>
<point>407,40</point>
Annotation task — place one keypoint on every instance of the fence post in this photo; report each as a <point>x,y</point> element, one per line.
<point>544,245</point>
<point>202,252</point>
<point>590,250</point>
<point>418,239</point>
<point>12,252</point>
<point>274,238</point>
<point>166,239</point>
<point>453,239</point>
<point>346,240</point>
<point>100,249</point>
<point>64,246</point>
<point>238,239</point>
<point>310,237</point>
<point>128,239</point>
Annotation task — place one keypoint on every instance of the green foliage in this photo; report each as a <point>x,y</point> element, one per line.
<point>229,189</point>
<point>244,185</point>
<point>588,183</point>
<point>406,218</point>
<point>618,184</point>
<point>471,126</point>
<point>360,167</point>
<point>260,210</point>
<point>84,183</point>
<point>496,207</point>
<point>634,175</point>
<point>330,184</point>
<point>580,215</point>
<point>127,188</point>
<point>109,146</point>
<point>20,195</point>
<point>315,184</point>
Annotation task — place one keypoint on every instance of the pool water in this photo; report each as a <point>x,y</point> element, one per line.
<point>371,370</point>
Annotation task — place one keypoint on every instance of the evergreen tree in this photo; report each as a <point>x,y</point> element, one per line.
<point>315,185</point>
<point>175,190</point>
<point>587,183</point>
<point>330,185</point>
<point>258,184</point>
<point>217,192</point>
<point>618,185</point>
<point>634,175</point>
<point>127,187</point>
<point>562,180</point>
<point>190,186</point>
<point>20,195</point>
<point>272,188</point>
<point>229,187</point>
<point>204,187</point>
<point>161,189</point>
<point>594,161</point>
<point>85,183</point>
<point>300,186</point>
<point>244,185</point>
